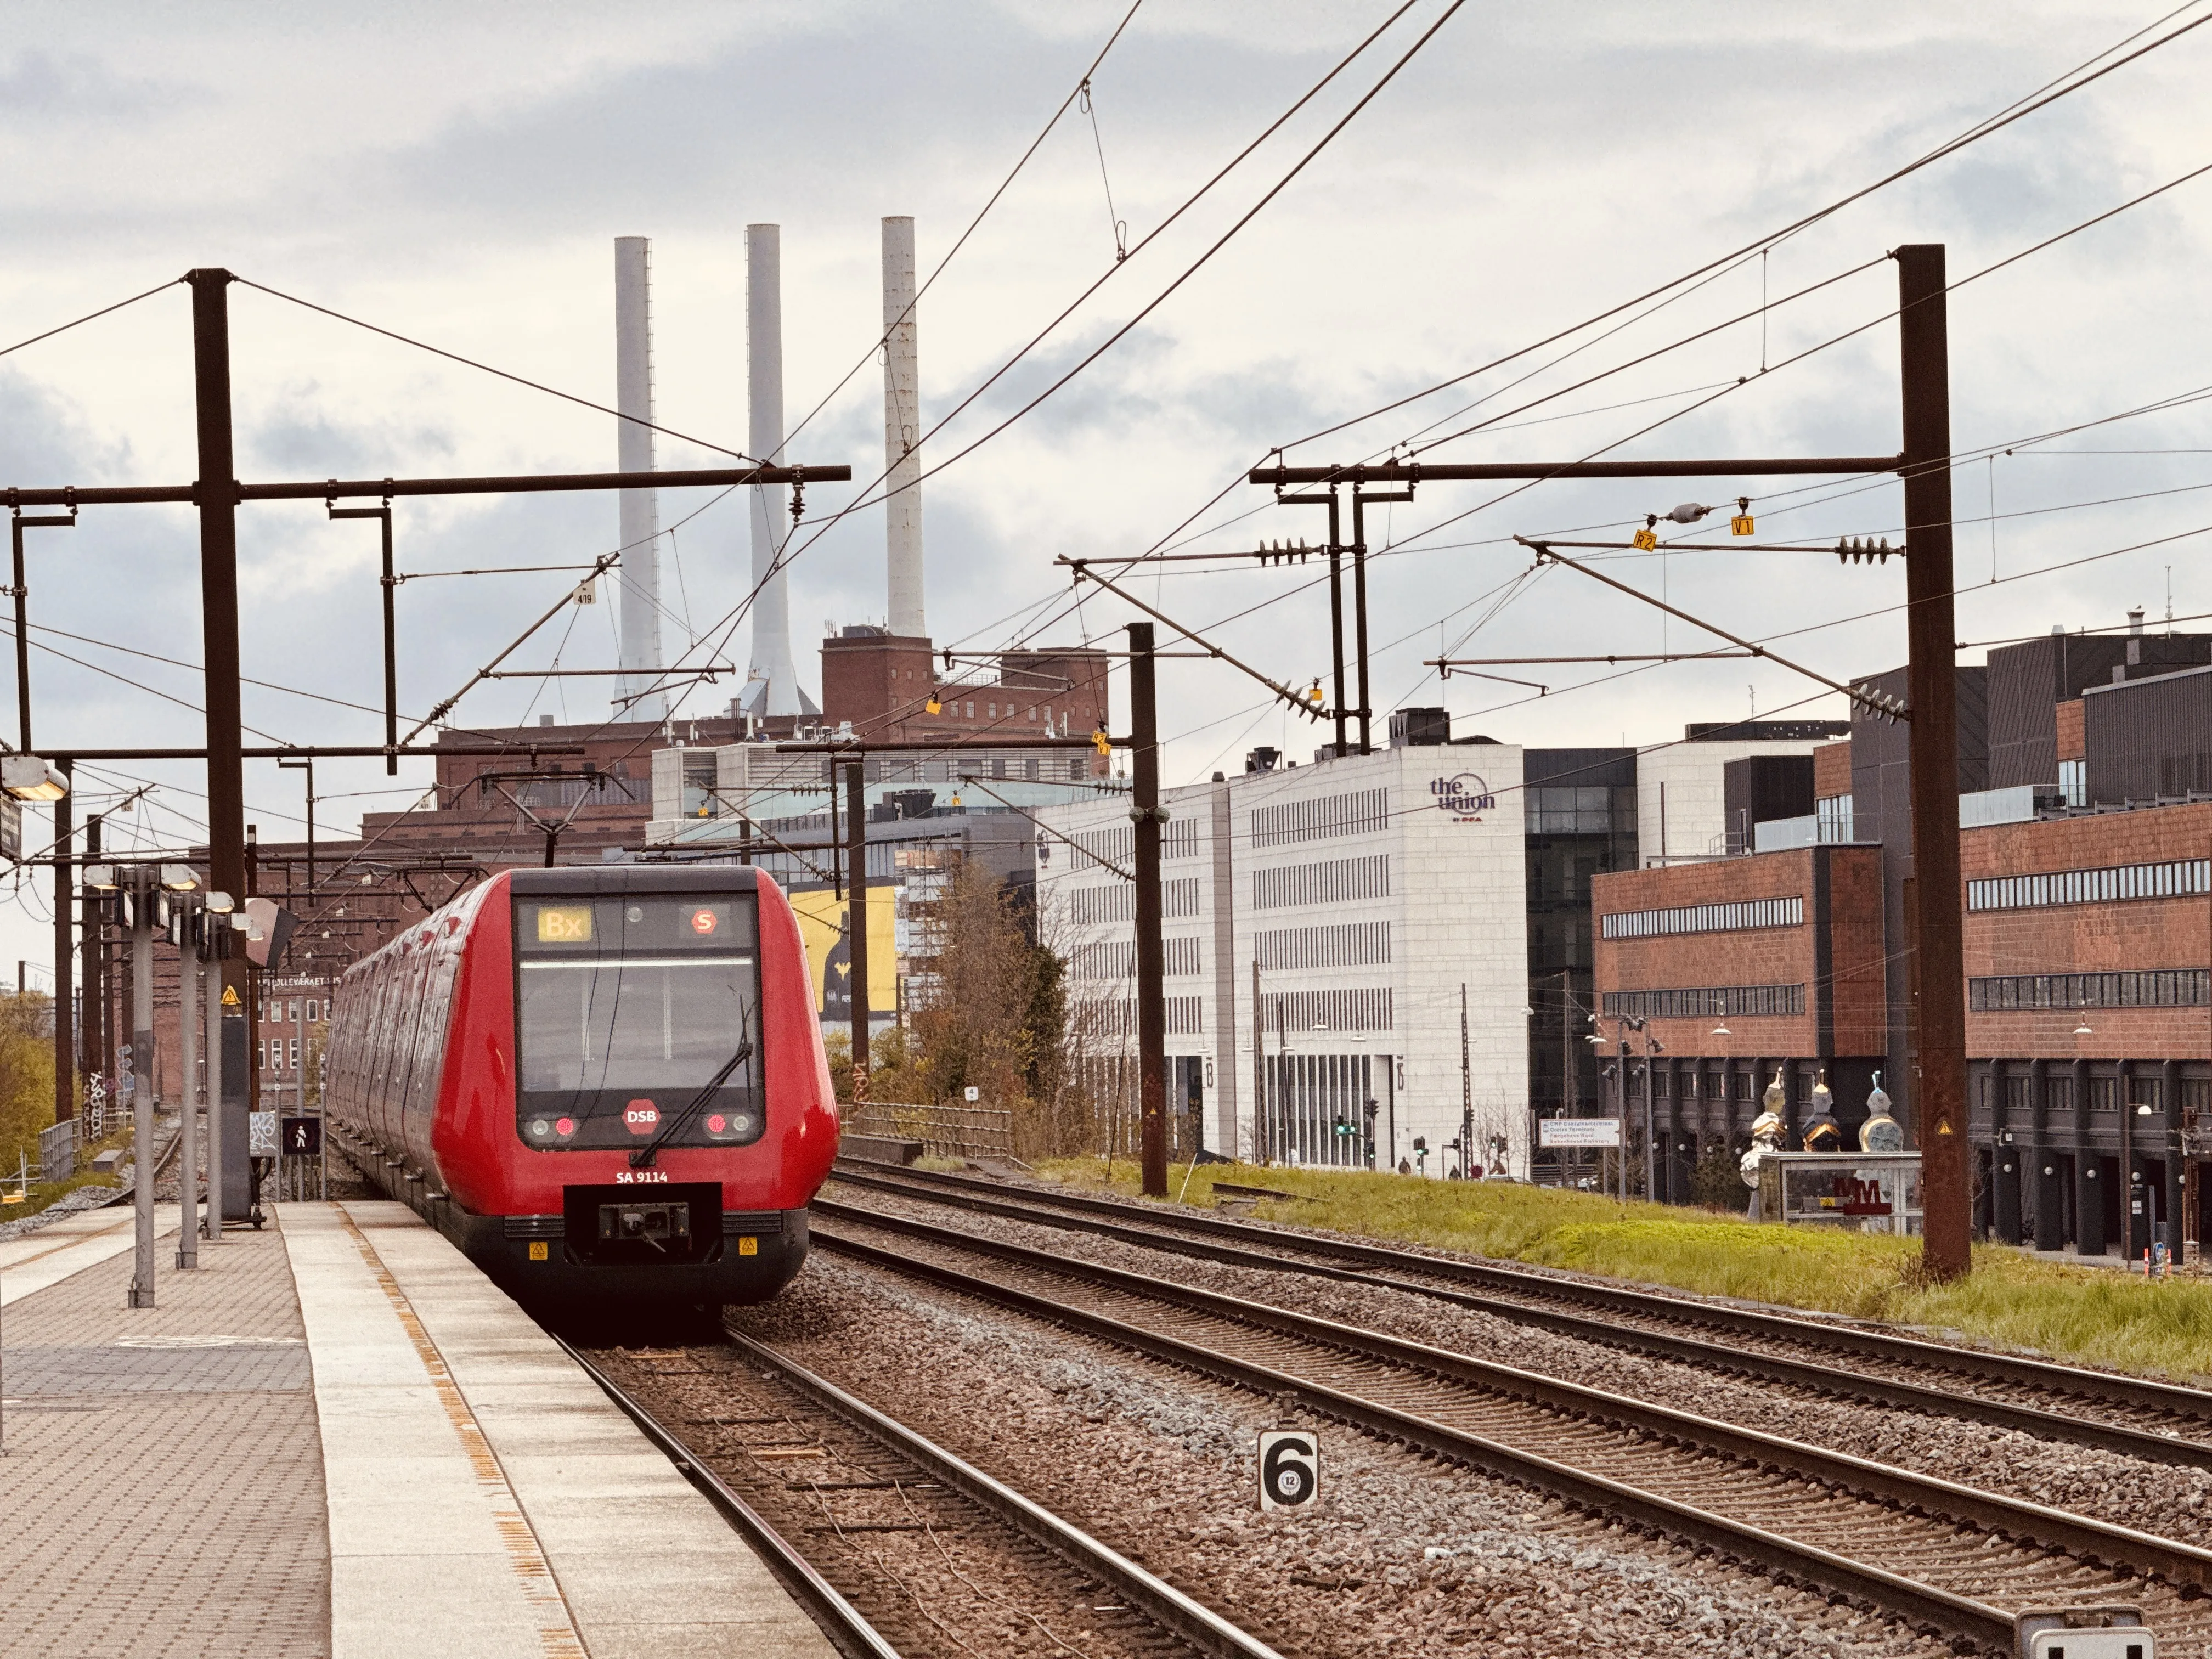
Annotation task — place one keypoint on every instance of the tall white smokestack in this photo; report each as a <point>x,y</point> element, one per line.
<point>773,685</point>
<point>639,575</point>
<point>902,431</point>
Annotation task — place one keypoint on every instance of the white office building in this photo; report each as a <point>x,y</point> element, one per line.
<point>1324,928</point>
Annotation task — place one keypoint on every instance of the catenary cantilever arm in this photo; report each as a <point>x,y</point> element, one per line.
<point>1873,702</point>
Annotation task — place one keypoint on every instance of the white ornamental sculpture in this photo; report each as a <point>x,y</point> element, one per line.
<point>1881,1133</point>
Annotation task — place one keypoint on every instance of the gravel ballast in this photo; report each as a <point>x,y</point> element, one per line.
<point>1401,1553</point>
<point>2161,1498</point>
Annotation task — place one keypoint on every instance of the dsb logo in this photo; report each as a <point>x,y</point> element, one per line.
<point>641,1117</point>
<point>1290,1469</point>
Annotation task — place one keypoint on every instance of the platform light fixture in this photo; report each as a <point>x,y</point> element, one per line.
<point>1722,1030</point>
<point>2082,1029</point>
<point>179,877</point>
<point>29,777</point>
<point>100,878</point>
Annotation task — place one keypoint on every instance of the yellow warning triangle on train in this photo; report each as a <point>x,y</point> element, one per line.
<point>1940,1129</point>
<point>230,996</point>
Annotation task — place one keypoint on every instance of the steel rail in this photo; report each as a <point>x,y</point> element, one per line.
<point>2129,1392</point>
<point>848,1629</point>
<point>1168,1606</point>
<point>1786,1559</point>
<point>1825,1378</point>
<point>2081,1536</point>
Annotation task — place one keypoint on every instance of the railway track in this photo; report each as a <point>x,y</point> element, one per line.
<point>1945,1558</point>
<point>2137,1417</point>
<point>887,1517</point>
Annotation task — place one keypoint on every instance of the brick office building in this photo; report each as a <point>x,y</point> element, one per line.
<point>1740,969</point>
<point>2088,1025</point>
<point>2087,870</point>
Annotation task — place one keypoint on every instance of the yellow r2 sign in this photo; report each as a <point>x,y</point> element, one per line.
<point>1739,524</point>
<point>1644,540</point>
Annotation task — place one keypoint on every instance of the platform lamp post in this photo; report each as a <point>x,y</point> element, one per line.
<point>202,934</point>
<point>144,888</point>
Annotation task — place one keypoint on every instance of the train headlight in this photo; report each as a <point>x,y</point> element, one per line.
<point>539,1128</point>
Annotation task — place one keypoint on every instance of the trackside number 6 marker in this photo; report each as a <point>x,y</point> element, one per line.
<point>1290,1469</point>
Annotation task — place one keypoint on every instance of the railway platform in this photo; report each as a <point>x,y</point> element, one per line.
<point>336,1437</point>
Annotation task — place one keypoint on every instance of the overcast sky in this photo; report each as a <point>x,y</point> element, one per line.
<point>458,175</point>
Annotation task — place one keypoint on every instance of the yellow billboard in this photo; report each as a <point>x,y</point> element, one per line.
<point>822,920</point>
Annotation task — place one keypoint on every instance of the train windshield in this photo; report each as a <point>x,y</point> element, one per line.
<point>628,1010</point>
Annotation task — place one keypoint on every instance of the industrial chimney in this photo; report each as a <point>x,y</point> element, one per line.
<point>638,577</point>
<point>902,431</point>
<point>772,686</point>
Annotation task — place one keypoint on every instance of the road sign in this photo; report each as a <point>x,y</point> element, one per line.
<point>261,1135</point>
<point>303,1137</point>
<point>1579,1132</point>
<point>1290,1469</point>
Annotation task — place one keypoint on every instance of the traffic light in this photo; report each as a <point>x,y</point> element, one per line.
<point>1345,1127</point>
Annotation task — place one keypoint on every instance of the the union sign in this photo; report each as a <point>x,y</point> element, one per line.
<point>1466,797</point>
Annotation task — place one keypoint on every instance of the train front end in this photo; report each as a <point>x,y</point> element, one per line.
<point>639,1108</point>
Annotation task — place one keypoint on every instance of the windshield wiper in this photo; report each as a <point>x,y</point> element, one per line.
<point>678,1120</point>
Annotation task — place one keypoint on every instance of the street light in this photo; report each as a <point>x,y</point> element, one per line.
<point>29,777</point>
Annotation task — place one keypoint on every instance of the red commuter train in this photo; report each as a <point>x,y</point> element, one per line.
<point>606,1084</point>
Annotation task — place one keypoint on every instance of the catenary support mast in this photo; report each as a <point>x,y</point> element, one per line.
<point>1939,1099</point>
<point>1151,961</point>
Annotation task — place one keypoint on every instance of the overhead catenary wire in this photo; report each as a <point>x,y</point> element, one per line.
<point>785,555</point>
<point>2042,99</point>
<point>2065,85</point>
<point>961,240</point>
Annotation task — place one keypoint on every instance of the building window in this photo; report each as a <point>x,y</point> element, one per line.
<point>2104,1094</point>
<point>1706,1002</point>
<point>2074,782</point>
<point>260,1055</point>
<point>1087,906</point>
<point>2178,879</point>
<point>1354,813</point>
<point>311,1015</point>
<point>1707,918</point>
<point>1304,1013</point>
<point>2157,987</point>
<point>1337,881</point>
<point>1832,814</point>
<point>292,1063</point>
<point>1348,944</point>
